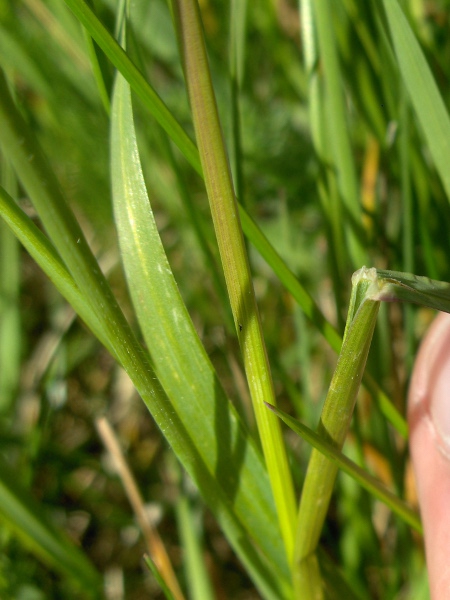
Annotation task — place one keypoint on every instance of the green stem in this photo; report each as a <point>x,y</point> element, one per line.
<point>334,424</point>
<point>230,239</point>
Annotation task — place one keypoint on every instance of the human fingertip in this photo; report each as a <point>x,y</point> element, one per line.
<point>429,393</point>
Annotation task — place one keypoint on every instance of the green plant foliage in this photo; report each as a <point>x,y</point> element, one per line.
<point>177,352</point>
<point>203,213</point>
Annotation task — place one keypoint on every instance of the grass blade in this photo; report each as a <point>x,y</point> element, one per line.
<point>157,575</point>
<point>44,253</point>
<point>27,519</point>
<point>423,91</point>
<point>406,287</point>
<point>238,21</point>
<point>327,183</point>
<point>196,573</point>
<point>10,326</point>
<point>135,78</point>
<point>39,180</point>
<point>367,481</point>
<point>178,355</point>
<point>338,131</point>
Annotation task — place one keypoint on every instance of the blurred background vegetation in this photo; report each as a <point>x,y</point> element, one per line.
<point>56,379</point>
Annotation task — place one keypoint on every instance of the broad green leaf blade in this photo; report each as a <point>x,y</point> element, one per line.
<point>422,89</point>
<point>32,168</point>
<point>366,480</point>
<point>238,490</point>
<point>27,519</point>
<point>154,104</point>
<point>405,287</point>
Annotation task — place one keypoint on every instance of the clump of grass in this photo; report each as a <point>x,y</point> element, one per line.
<point>216,274</point>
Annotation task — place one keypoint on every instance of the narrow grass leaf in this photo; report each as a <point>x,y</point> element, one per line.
<point>406,287</point>
<point>408,221</point>
<point>10,338</point>
<point>423,91</point>
<point>338,132</point>
<point>238,21</point>
<point>27,519</point>
<point>100,72</point>
<point>199,584</point>
<point>45,255</point>
<point>180,360</point>
<point>367,481</point>
<point>135,78</point>
<point>326,182</point>
<point>156,574</point>
<point>10,319</point>
<point>387,409</point>
<point>16,59</point>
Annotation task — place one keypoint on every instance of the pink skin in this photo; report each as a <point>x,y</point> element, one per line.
<point>429,421</point>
